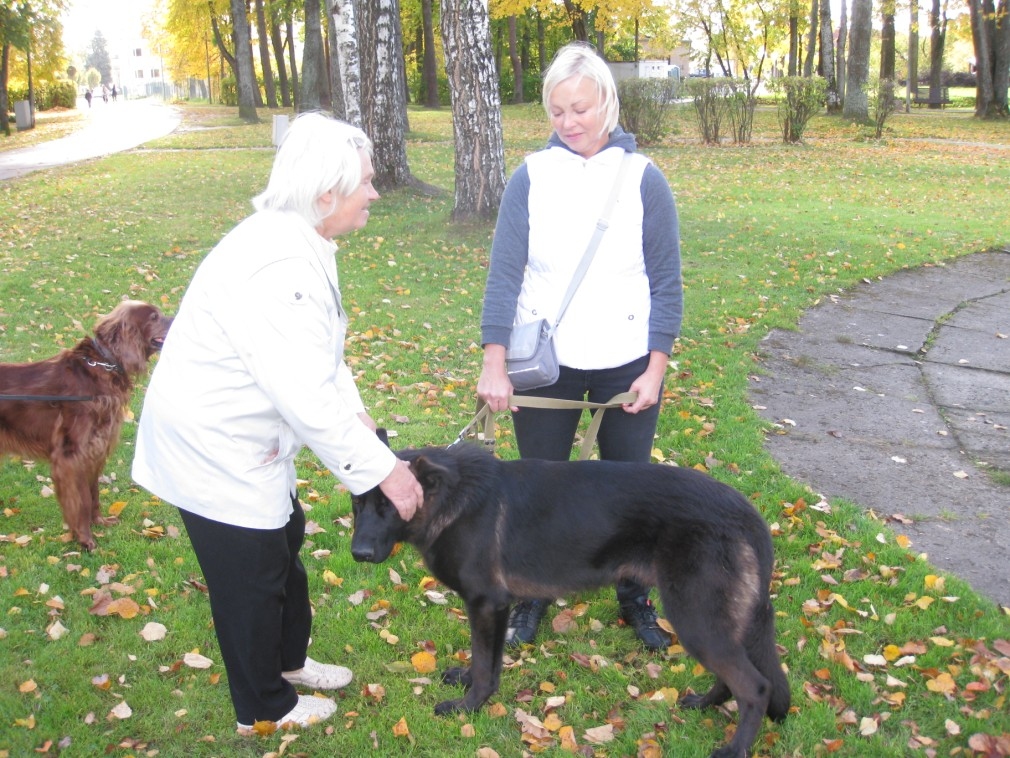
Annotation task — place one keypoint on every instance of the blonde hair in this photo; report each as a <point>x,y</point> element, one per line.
<point>317,154</point>
<point>579,59</point>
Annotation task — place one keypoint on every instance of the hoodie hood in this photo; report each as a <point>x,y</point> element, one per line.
<point>618,138</point>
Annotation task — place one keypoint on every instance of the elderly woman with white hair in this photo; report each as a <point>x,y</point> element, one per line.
<point>252,370</point>
<point>619,327</point>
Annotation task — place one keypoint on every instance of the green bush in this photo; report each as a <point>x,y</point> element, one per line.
<point>880,93</point>
<point>58,94</point>
<point>645,107</point>
<point>800,99</point>
<point>710,106</point>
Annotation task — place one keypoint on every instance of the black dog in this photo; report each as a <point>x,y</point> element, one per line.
<point>496,531</point>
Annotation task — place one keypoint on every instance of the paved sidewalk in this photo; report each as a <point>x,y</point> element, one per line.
<point>896,396</point>
<point>111,128</point>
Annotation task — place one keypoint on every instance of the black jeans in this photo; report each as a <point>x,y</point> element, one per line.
<point>259,600</point>
<point>549,433</point>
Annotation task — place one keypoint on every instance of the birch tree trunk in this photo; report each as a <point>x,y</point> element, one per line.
<point>348,60</point>
<point>476,109</point>
<point>856,103</point>
<point>244,63</point>
<point>336,89</point>
<point>383,92</point>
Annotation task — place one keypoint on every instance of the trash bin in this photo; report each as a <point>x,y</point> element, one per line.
<point>23,115</point>
<point>280,128</point>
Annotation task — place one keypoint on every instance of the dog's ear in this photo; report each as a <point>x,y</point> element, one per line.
<point>382,435</point>
<point>433,475</point>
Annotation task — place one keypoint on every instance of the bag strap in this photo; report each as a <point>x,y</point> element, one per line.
<point>594,242</point>
<point>482,424</point>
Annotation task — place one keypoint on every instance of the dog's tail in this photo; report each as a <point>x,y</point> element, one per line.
<point>765,656</point>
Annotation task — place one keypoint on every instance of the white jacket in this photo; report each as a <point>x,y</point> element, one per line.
<point>251,371</point>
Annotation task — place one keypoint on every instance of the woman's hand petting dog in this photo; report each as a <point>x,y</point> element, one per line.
<point>68,409</point>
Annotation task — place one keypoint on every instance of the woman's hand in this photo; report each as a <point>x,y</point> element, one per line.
<point>403,490</point>
<point>649,384</point>
<point>494,387</point>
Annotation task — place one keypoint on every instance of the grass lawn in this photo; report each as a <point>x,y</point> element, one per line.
<point>886,655</point>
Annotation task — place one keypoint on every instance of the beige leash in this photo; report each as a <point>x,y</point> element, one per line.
<point>482,424</point>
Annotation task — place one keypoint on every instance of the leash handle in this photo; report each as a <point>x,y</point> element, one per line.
<point>483,422</point>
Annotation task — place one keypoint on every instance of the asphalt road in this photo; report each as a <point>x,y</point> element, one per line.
<point>111,128</point>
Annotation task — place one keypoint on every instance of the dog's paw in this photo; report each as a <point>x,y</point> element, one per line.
<point>448,706</point>
<point>457,675</point>
<point>728,752</point>
<point>106,520</point>
<point>692,701</point>
<point>87,542</point>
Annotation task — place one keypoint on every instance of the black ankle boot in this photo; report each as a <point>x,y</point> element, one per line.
<point>524,620</point>
<point>640,615</point>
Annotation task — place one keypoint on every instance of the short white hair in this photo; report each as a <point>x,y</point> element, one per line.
<point>579,59</point>
<point>317,154</point>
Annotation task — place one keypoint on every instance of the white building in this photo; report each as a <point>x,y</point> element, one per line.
<point>138,71</point>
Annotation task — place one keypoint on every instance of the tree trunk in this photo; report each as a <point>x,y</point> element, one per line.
<point>1001,59</point>
<point>246,84</point>
<point>313,67</point>
<point>990,31</point>
<point>887,46</point>
<point>794,37</point>
<point>841,64</point>
<point>577,15</point>
<point>827,61</point>
<point>289,31</point>
<point>383,104</point>
<point>226,56</point>
<point>856,105</point>
<point>5,57</point>
<point>517,66</point>
<point>541,43</point>
<point>476,109</point>
<point>264,46</point>
<point>937,38</point>
<point>913,54</point>
<point>277,43</point>
<point>808,61</point>
<point>336,88</point>
<point>348,59</point>
<point>429,63</point>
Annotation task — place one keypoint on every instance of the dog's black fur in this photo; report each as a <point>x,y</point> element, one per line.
<point>496,531</point>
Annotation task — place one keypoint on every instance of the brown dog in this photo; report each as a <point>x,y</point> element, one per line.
<point>69,409</point>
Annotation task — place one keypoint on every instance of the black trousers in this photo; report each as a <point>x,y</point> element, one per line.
<point>549,433</point>
<point>259,600</point>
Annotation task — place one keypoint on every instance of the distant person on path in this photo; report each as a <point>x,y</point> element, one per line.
<point>113,93</point>
<point>105,93</point>
<point>253,370</point>
<point>619,331</point>
<point>87,96</point>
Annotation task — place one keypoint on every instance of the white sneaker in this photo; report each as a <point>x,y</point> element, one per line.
<point>308,710</point>
<point>319,676</point>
